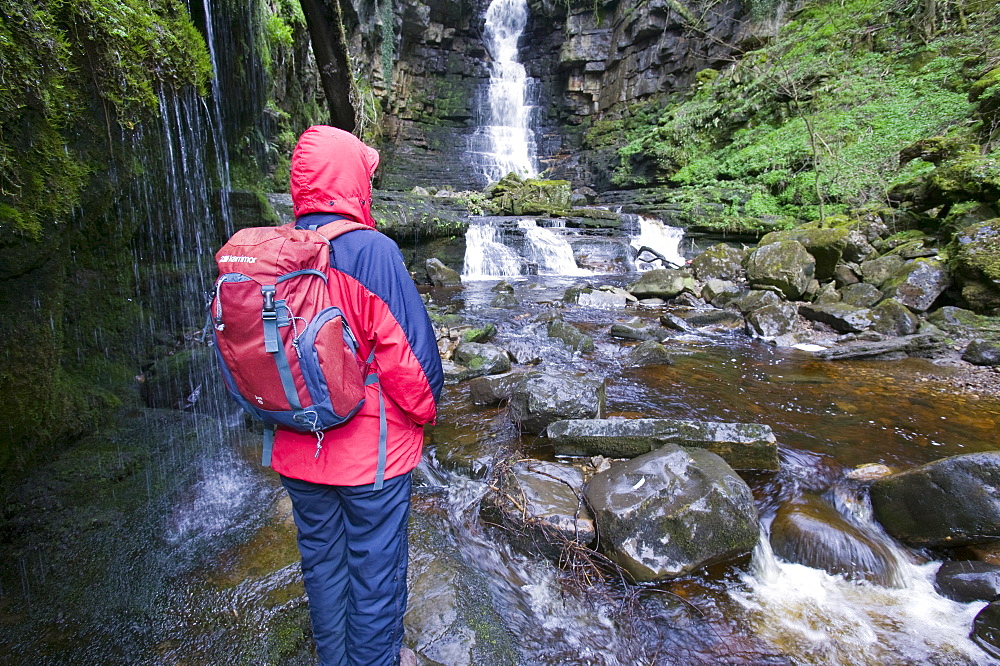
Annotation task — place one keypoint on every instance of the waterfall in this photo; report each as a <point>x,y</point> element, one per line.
<point>660,238</point>
<point>486,256</point>
<point>506,142</point>
<point>550,252</point>
<point>216,124</point>
<point>497,248</point>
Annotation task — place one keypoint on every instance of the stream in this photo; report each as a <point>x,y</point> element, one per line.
<point>162,541</point>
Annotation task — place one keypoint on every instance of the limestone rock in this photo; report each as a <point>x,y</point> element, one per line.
<point>754,299</point>
<point>720,293</point>
<point>662,283</point>
<point>860,295</point>
<point>826,246</point>
<point>546,397</point>
<point>785,265</point>
<point>917,283</point>
<point>721,262</point>
<point>877,271</point>
<point>741,445</point>
<point>772,321</point>
<point>672,511</point>
<point>950,502</point>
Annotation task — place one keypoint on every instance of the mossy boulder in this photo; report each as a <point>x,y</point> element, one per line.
<point>570,335</point>
<point>890,317</point>
<point>918,283</point>
<point>986,94</point>
<point>825,245</point>
<point>662,283</point>
<point>513,196</point>
<point>975,260</point>
<point>482,358</point>
<point>784,264</point>
<point>722,262</point>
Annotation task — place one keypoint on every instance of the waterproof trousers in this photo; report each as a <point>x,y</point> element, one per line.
<point>353,543</point>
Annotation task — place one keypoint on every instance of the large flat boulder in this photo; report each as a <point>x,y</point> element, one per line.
<point>672,511</point>
<point>662,283</point>
<point>741,445</point>
<point>917,283</point>
<point>546,397</point>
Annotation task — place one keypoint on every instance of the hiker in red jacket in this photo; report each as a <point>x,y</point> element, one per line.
<point>351,498</point>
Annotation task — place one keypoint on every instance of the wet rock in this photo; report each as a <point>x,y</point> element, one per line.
<point>720,292</point>
<point>649,353</point>
<point>877,271</point>
<point>525,351</point>
<point>482,358</point>
<point>968,580</point>
<point>919,344</point>
<point>503,287</point>
<point>982,352</point>
<point>785,265</point>
<point>754,299</point>
<point>482,334</point>
<point>869,472</point>
<point>860,295</point>
<point>986,630</point>
<point>826,246</point>
<point>963,323</point>
<point>950,502</point>
<point>570,335</point>
<point>450,616</point>
<point>720,262</point>
<point>604,298</point>
<point>772,321</point>
<point>541,506</point>
<point>808,531</point>
<point>892,318</point>
<point>505,300</point>
<point>662,283</point>
<point>917,283</point>
<point>441,275</point>
<point>638,329</point>
<point>494,389</point>
<point>672,511</point>
<point>711,320</point>
<point>844,275</point>
<point>454,373</point>
<point>741,445</point>
<point>546,397</point>
<point>841,316</point>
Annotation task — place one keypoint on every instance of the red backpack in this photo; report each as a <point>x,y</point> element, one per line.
<point>287,355</point>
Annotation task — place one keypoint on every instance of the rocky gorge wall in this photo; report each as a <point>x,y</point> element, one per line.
<point>425,68</point>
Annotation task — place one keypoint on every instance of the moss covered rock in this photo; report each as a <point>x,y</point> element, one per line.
<point>975,259</point>
<point>825,245</point>
<point>785,264</point>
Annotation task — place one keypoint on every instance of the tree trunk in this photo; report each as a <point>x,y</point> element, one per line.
<point>329,42</point>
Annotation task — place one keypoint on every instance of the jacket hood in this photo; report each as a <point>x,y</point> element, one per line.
<point>331,173</point>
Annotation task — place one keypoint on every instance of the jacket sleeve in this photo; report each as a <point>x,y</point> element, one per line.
<point>406,352</point>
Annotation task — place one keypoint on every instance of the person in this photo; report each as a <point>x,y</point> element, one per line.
<point>352,534</point>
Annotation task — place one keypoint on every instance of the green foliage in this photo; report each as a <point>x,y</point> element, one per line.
<point>812,124</point>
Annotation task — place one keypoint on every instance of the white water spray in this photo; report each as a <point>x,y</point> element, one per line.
<point>658,237</point>
<point>509,141</point>
<point>486,256</point>
<point>549,251</point>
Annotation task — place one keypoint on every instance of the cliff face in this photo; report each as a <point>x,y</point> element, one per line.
<point>585,59</point>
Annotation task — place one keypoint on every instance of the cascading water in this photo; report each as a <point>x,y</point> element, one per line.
<point>497,248</point>
<point>662,239</point>
<point>505,142</point>
<point>548,251</point>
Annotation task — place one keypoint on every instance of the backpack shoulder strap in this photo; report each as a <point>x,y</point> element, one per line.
<point>336,228</point>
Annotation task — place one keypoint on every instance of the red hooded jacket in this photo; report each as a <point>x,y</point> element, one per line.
<point>330,180</point>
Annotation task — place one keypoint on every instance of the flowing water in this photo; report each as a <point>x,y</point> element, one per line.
<point>505,142</point>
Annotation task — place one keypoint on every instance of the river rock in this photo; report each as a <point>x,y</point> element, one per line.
<point>441,275</point>
<point>772,321</point>
<point>968,580</point>
<point>482,358</point>
<point>876,271</point>
<point>672,511</point>
<point>963,323</point>
<point>950,502</point>
<point>890,317</point>
<point>785,265</point>
<point>541,505</point>
<point>494,389</point>
<point>570,335</point>
<point>647,353</point>
<point>741,445</point>
<point>841,316</point>
<point>986,630</point>
<point>917,283</point>
<point>662,283</point>
<point>860,295</point>
<point>638,329</point>
<point>720,292</point>
<point>505,300</point>
<point>754,299</point>
<point>982,352</point>
<point>711,320</point>
<point>720,262</point>
<point>546,397</point>
<point>919,344</point>
<point>826,246</point>
<point>808,531</point>
<point>604,298</point>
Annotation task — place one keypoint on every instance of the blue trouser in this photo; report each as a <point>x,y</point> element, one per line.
<point>354,555</point>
